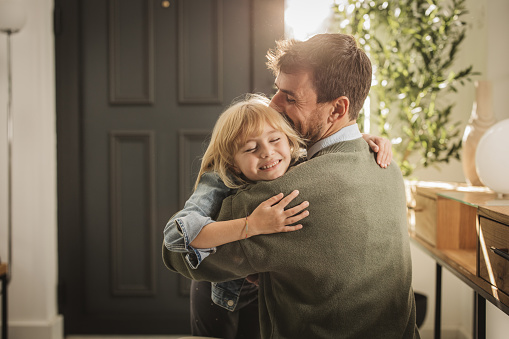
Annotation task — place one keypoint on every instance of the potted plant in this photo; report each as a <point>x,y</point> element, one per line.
<point>412,45</point>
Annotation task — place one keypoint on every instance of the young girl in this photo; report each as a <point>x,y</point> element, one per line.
<point>250,142</point>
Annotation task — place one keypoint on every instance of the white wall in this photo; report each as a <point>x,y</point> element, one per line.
<point>487,48</point>
<point>32,292</point>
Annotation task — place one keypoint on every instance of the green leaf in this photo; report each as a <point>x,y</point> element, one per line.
<point>415,55</point>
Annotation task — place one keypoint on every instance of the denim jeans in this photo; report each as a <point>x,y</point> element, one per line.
<point>210,320</point>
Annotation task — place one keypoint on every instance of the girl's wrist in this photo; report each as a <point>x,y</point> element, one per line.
<point>246,228</point>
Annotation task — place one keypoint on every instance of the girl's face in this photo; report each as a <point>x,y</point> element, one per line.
<point>264,157</point>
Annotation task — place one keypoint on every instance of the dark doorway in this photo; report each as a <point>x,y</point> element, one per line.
<point>140,84</point>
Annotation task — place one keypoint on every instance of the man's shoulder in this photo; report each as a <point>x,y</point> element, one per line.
<point>298,177</point>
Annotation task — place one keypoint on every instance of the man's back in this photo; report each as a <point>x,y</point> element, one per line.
<point>347,273</point>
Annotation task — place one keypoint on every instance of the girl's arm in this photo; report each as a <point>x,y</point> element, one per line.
<point>185,226</point>
<point>382,146</point>
<point>269,217</point>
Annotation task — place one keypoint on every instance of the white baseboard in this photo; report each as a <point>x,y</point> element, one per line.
<point>445,334</point>
<point>53,329</point>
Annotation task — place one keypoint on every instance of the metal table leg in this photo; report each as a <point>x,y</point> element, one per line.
<point>438,300</point>
<point>479,317</point>
<point>4,306</point>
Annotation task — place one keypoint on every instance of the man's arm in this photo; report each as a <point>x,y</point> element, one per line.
<point>228,263</point>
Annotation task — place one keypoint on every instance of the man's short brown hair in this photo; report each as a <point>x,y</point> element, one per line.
<point>338,65</point>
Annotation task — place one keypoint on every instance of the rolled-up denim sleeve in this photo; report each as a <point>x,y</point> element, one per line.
<point>198,210</point>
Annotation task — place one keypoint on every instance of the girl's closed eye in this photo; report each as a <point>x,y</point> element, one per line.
<point>249,148</point>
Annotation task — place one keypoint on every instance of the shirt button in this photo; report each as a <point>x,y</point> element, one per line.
<point>230,302</point>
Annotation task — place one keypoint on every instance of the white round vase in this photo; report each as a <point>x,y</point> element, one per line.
<point>492,158</point>
<point>481,119</point>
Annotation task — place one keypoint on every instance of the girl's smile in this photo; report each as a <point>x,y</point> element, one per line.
<point>270,166</point>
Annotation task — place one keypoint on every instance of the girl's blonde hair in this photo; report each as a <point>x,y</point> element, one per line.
<point>244,117</point>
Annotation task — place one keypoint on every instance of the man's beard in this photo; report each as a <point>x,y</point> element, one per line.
<point>311,137</point>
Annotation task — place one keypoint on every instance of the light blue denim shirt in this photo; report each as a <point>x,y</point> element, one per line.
<point>198,211</point>
<point>185,225</point>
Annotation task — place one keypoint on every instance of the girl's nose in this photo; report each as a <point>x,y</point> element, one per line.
<point>266,151</point>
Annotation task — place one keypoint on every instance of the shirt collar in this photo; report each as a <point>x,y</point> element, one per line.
<point>345,134</point>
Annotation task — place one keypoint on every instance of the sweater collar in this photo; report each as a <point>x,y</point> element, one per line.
<point>345,134</point>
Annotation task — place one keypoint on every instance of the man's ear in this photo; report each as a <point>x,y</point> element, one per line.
<point>340,108</point>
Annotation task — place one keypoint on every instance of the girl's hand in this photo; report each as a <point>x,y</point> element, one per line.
<point>382,146</point>
<point>271,217</point>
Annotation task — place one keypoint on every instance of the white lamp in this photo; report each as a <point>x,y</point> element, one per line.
<point>12,18</point>
<point>492,158</point>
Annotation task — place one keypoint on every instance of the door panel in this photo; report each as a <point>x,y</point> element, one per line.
<point>200,32</point>
<point>139,87</point>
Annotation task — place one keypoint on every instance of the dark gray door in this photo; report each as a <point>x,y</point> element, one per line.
<point>140,84</point>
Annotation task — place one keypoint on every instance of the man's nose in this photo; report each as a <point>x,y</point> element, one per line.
<point>273,103</point>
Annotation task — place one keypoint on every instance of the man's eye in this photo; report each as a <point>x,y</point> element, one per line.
<point>289,100</point>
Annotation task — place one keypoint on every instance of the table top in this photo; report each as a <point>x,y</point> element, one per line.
<point>489,203</point>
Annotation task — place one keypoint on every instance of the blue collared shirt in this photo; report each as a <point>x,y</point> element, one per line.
<point>345,134</point>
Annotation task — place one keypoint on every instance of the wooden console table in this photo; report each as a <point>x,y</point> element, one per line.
<point>466,230</point>
<point>3,277</point>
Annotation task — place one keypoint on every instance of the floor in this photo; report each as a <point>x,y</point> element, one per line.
<point>125,337</point>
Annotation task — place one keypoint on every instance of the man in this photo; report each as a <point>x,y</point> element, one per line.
<point>347,273</point>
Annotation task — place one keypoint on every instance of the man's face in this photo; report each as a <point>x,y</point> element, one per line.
<point>296,99</point>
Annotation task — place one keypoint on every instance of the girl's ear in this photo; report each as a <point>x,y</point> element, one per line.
<point>235,169</point>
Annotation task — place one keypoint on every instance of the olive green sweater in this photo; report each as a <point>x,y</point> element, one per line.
<point>347,273</point>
